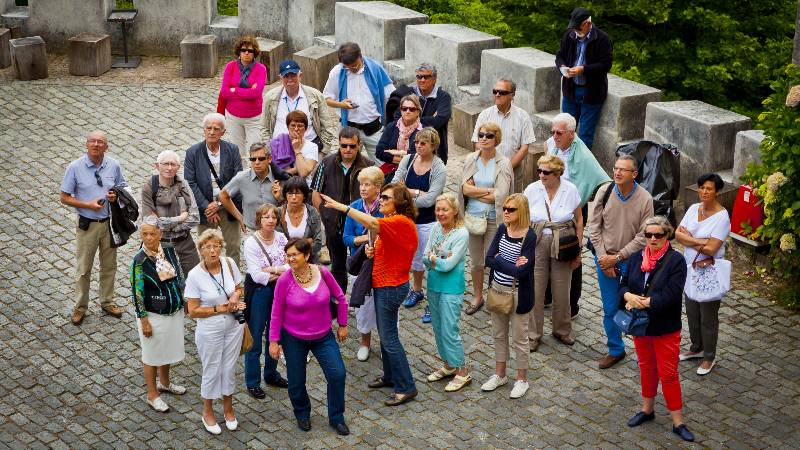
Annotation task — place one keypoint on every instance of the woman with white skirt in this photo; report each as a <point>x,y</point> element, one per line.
<point>212,293</point>
<point>156,285</point>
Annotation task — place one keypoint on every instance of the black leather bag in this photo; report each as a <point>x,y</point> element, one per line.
<point>568,248</point>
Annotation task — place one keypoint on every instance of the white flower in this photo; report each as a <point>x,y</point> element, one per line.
<point>788,243</point>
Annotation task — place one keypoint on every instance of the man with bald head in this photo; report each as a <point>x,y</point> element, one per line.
<point>87,187</point>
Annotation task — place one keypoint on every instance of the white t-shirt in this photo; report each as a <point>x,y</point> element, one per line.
<point>310,151</point>
<point>562,208</point>
<point>298,231</point>
<point>717,226</point>
<point>357,91</point>
<point>199,284</point>
<point>287,105</point>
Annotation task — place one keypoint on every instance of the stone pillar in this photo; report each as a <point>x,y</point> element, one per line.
<point>316,63</point>
<point>162,24</point>
<point>306,19</point>
<point>29,58</point>
<point>379,28</point>
<point>89,54</point>
<point>465,115</point>
<point>58,20</point>
<point>272,53</point>
<point>748,150</point>
<point>534,71</point>
<point>264,18</point>
<point>199,56</point>
<point>5,50</point>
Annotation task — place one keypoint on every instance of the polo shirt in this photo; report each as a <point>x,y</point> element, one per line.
<point>515,124</point>
<point>81,181</point>
<point>287,105</point>
<point>254,193</point>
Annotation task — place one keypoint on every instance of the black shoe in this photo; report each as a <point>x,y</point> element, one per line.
<point>278,382</point>
<point>341,428</point>
<point>640,418</point>
<point>257,392</point>
<point>304,424</point>
<point>379,383</point>
<point>683,432</point>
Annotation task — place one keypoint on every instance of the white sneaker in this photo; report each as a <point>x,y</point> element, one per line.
<point>173,388</point>
<point>519,389</point>
<point>231,425</point>
<point>363,353</point>
<point>493,383</point>
<point>158,404</point>
<point>213,429</point>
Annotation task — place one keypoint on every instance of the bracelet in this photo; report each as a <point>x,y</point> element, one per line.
<point>215,309</point>
<point>347,211</point>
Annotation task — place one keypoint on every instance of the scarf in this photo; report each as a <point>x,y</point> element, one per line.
<point>376,78</point>
<point>405,133</point>
<point>165,270</point>
<point>244,72</point>
<point>583,169</point>
<point>649,259</point>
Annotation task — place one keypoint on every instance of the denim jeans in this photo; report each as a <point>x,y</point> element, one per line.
<point>260,312</point>
<point>326,351</point>
<point>395,363</point>
<point>609,293</point>
<point>586,114</point>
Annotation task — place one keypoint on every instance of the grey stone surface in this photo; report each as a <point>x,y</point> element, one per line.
<point>272,53</point>
<point>455,49</point>
<point>466,93</point>
<point>328,40</point>
<point>316,63</point>
<point>58,20</point>
<point>378,27</point>
<point>16,18</point>
<point>747,150</point>
<point>463,120</point>
<point>264,18</point>
<point>542,123</point>
<point>162,24</point>
<point>306,19</point>
<point>199,56</point>
<point>29,58</point>
<point>534,71</point>
<point>89,54</point>
<point>5,49</point>
<point>704,134</point>
<point>398,71</point>
<point>226,29</point>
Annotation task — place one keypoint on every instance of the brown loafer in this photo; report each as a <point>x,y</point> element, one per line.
<point>77,317</point>
<point>566,340</point>
<point>399,399</point>
<point>113,310</point>
<point>472,309</point>
<point>378,383</point>
<point>608,361</point>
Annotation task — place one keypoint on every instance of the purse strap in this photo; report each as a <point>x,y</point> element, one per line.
<point>263,250</point>
<point>656,277</point>
<point>700,252</point>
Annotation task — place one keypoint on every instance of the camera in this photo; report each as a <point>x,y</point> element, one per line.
<point>239,316</point>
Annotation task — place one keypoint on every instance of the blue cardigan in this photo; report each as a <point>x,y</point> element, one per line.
<point>523,273</point>
<point>353,229</point>
<point>665,297</point>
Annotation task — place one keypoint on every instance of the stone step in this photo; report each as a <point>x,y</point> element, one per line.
<point>465,115</point>
<point>225,22</point>
<point>379,27</point>
<point>748,150</point>
<point>325,41</point>
<point>226,29</point>
<point>534,71</point>
<point>468,92</point>
<point>15,17</point>
<point>543,123</point>
<point>316,62</point>
<point>272,54</point>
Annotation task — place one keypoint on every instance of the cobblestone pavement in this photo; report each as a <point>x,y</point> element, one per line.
<point>81,387</point>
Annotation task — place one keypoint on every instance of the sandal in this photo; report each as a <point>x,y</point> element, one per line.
<point>441,373</point>
<point>458,382</point>
<point>472,309</point>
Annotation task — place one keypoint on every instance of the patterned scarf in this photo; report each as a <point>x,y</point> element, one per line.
<point>163,266</point>
<point>244,72</point>
<point>650,259</point>
<point>405,133</point>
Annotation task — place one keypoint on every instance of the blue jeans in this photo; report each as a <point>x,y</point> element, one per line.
<point>445,317</point>
<point>326,351</point>
<point>395,363</point>
<point>609,294</point>
<point>260,313</point>
<point>586,114</point>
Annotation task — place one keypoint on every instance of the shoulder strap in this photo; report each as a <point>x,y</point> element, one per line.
<point>154,188</point>
<point>263,250</point>
<point>549,218</point>
<point>408,165</point>
<point>230,269</point>
<point>607,194</point>
<point>211,166</point>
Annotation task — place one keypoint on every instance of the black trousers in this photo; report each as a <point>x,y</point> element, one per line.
<point>338,252</point>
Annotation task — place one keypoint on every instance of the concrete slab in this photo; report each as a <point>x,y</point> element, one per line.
<point>264,18</point>
<point>534,71</point>
<point>746,150</point>
<point>463,120</point>
<point>161,25</point>
<point>272,53</point>
<point>378,27</point>
<point>306,19</point>
<point>89,54</point>
<point>199,56</point>
<point>316,63</point>
<point>325,41</point>
<point>398,71</point>
<point>29,58</point>
<point>58,20</point>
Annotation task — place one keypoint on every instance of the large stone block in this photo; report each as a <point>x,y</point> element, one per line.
<point>316,63</point>
<point>306,19</point>
<point>534,71</point>
<point>454,49</point>
<point>15,18</point>
<point>89,54</point>
<point>704,134</point>
<point>379,28</point>
<point>226,29</point>
<point>161,24</point>
<point>264,18</point>
<point>29,58</point>
<point>5,50</point>
<point>199,56</point>
<point>747,150</point>
<point>398,71</point>
<point>58,20</point>
<point>463,120</point>
<point>272,53</point>
<point>542,123</point>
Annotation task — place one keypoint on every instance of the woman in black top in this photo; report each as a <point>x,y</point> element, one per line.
<point>654,282</point>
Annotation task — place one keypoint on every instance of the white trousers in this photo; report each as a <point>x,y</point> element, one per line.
<point>370,144</point>
<point>243,132</point>
<point>219,341</point>
<point>365,316</point>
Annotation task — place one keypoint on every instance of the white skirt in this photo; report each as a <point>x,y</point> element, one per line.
<point>165,346</point>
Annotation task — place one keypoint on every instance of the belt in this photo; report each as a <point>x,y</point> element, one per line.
<point>369,128</point>
<point>174,240</point>
<point>94,220</point>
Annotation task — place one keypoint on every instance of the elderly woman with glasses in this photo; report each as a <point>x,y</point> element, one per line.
<point>297,218</point>
<point>654,283</point>
<point>306,153</point>
<point>398,136</point>
<point>240,100</point>
<point>212,293</point>
<point>486,180</point>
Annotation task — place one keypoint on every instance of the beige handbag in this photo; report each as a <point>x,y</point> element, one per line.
<point>500,299</point>
<point>476,225</point>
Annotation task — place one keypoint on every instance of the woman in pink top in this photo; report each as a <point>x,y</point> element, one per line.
<point>240,94</point>
<point>301,322</point>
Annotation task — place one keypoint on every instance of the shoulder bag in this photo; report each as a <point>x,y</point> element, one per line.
<point>634,322</point>
<point>476,225</point>
<point>500,299</point>
<point>568,246</point>
<point>708,279</point>
<point>247,338</point>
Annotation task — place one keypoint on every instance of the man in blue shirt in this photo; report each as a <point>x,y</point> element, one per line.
<point>87,188</point>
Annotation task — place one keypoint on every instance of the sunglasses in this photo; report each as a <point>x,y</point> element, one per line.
<point>97,178</point>
<point>482,135</point>
<point>348,145</point>
<point>424,77</point>
<point>257,158</point>
<point>654,235</point>
<point>386,198</point>
<point>544,172</point>
<point>509,209</point>
<point>500,92</point>
<point>557,132</point>
<point>248,50</point>
<point>408,108</point>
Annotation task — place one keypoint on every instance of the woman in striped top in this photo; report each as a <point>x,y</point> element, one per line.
<point>510,260</point>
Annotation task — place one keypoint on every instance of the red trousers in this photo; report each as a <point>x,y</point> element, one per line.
<point>658,360</point>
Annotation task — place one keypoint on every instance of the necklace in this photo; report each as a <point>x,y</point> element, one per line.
<point>302,281</point>
<point>265,240</point>
<point>440,241</point>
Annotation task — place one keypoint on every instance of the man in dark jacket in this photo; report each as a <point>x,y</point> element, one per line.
<point>208,167</point>
<point>584,60</point>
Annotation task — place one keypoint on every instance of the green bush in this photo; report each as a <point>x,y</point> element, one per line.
<point>776,180</point>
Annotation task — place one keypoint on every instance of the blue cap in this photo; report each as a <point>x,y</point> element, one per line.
<point>289,66</point>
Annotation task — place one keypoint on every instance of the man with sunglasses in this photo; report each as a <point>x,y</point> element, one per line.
<point>515,123</point>
<point>337,177</point>
<point>87,187</point>
<point>294,96</point>
<point>359,88</point>
<point>584,60</point>
<point>616,228</point>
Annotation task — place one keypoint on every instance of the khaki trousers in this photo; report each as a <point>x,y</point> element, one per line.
<point>519,178</point>
<point>188,256</point>
<point>519,336</point>
<point>559,274</point>
<point>86,245</point>
<point>231,233</point>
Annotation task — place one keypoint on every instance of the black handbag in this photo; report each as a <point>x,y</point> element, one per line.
<point>568,246</point>
<point>634,322</point>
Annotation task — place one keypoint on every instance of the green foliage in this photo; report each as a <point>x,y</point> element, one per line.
<point>124,4</point>
<point>776,180</point>
<point>228,7</point>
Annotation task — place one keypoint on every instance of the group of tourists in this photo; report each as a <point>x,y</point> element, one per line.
<point>371,188</point>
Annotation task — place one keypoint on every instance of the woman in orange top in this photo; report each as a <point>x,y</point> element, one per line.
<point>393,252</point>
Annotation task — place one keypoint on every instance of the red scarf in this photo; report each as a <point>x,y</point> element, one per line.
<point>649,259</point>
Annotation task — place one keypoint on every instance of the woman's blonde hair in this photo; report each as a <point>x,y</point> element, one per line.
<point>493,127</point>
<point>373,174</point>
<point>265,209</point>
<point>211,234</point>
<point>520,202</point>
<point>663,222</point>
<point>556,164</point>
<point>428,134</point>
<point>451,201</point>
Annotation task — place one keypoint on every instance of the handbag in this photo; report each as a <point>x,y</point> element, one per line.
<point>247,341</point>
<point>500,299</point>
<point>568,246</point>
<point>476,225</point>
<point>707,279</point>
<point>222,103</point>
<point>634,322</point>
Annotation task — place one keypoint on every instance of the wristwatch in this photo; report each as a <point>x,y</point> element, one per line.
<point>618,258</point>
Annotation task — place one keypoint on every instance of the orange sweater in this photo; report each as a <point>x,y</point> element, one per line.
<point>394,250</point>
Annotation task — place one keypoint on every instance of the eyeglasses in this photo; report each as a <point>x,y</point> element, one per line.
<point>169,164</point>
<point>408,108</point>
<point>509,209</point>
<point>622,169</point>
<point>257,158</point>
<point>97,178</point>
<point>385,198</point>
<point>500,92</point>
<point>421,142</point>
<point>558,132</point>
<point>211,247</point>
<point>654,235</point>
<point>297,126</point>
<point>292,255</point>
<point>293,193</point>
<point>483,135</point>
<point>213,129</point>
<point>348,146</point>
<point>423,77</point>
<point>96,141</point>
<point>248,50</point>
<point>544,172</point>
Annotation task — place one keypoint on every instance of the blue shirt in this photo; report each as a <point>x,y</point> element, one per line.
<point>483,178</point>
<point>87,182</point>
<point>580,80</point>
<point>623,198</point>
<point>353,229</point>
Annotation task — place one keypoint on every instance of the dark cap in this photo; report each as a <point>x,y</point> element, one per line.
<point>578,16</point>
<point>289,66</point>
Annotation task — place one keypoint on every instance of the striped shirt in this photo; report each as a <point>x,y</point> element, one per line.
<point>510,249</point>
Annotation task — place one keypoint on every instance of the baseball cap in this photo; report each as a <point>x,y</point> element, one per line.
<point>578,16</point>
<point>289,66</point>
